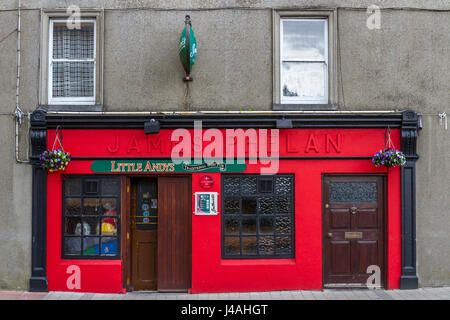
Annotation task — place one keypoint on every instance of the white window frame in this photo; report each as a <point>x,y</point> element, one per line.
<point>329,14</point>
<point>300,100</point>
<point>70,100</point>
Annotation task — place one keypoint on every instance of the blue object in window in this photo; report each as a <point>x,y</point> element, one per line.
<point>109,247</point>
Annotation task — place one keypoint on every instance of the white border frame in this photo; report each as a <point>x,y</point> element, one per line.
<point>70,100</point>
<point>213,194</point>
<point>297,100</point>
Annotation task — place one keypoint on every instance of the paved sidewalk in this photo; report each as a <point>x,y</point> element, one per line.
<point>442,293</point>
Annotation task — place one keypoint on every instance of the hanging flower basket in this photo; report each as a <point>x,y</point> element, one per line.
<point>55,160</point>
<point>389,158</point>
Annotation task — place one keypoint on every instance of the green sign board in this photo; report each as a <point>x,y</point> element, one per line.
<point>163,166</point>
<point>187,48</point>
<point>184,50</point>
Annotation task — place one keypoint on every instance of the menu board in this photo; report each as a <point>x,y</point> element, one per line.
<point>206,203</point>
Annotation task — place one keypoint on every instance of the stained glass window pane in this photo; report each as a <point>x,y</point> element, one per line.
<point>266,205</point>
<point>109,226</point>
<point>283,205</point>
<point>91,206</point>
<point>110,186</point>
<point>231,185</point>
<point>249,205</point>
<point>283,225</point>
<point>109,206</point>
<point>248,185</point>
<point>283,245</point>
<point>109,246</point>
<point>266,245</point>
<point>72,226</point>
<point>249,225</point>
<point>249,245</point>
<point>91,226</point>
<point>232,205</point>
<point>90,245</point>
<point>72,187</point>
<point>231,225</point>
<point>353,192</point>
<point>266,225</point>
<point>283,185</point>
<point>232,245</point>
<point>73,206</point>
<point>72,246</point>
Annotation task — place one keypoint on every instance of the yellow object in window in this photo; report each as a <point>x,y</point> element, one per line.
<point>108,228</point>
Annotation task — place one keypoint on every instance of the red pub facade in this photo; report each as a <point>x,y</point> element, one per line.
<point>125,215</point>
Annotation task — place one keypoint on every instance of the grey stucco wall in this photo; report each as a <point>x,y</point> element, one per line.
<point>15,178</point>
<point>432,212</point>
<point>404,65</point>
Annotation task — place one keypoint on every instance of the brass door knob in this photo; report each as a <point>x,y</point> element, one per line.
<point>353,210</point>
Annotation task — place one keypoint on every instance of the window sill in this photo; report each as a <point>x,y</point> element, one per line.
<point>257,262</point>
<point>75,107</point>
<point>304,107</point>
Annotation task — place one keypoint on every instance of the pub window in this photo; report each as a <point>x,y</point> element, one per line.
<point>91,217</point>
<point>257,216</point>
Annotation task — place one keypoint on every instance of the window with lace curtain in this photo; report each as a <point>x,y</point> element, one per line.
<point>72,62</point>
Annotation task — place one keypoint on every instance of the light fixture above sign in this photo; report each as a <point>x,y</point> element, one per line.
<point>187,48</point>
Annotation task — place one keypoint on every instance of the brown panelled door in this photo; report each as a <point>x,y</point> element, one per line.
<point>353,229</point>
<point>174,233</point>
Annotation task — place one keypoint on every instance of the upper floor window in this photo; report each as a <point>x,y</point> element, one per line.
<point>71,73</point>
<point>304,66</point>
<point>304,61</point>
<point>72,60</point>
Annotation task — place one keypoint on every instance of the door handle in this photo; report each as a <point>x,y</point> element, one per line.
<point>353,210</point>
<point>330,234</point>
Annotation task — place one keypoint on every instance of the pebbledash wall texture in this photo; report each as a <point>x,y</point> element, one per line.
<point>402,65</point>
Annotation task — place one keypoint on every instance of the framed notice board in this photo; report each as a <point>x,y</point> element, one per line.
<point>206,203</point>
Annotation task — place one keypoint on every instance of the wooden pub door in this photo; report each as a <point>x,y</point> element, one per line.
<point>353,229</point>
<point>161,234</point>
<point>174,233</point>
<point>144,234</point>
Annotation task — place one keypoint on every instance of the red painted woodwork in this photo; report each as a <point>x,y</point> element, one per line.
<point>210,273</point>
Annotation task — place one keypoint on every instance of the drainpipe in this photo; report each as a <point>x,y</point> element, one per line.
<point>19,114</point>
